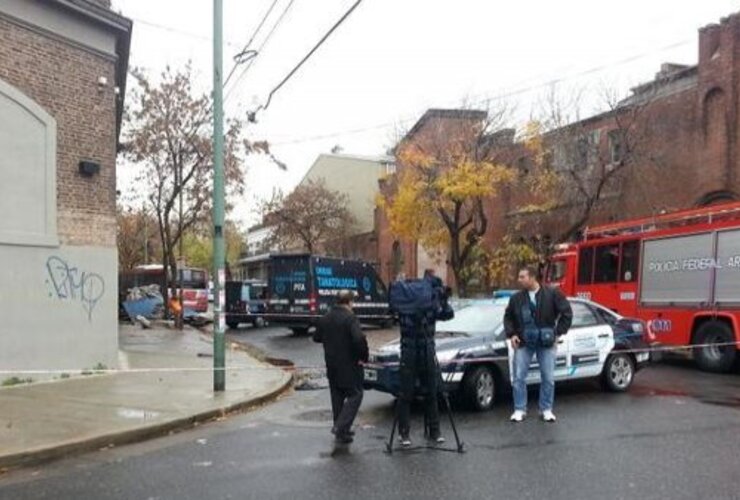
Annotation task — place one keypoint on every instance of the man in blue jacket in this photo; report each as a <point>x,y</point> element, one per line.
<point>534,320</point>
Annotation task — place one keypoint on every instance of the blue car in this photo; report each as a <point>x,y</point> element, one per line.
<point>474,356</point>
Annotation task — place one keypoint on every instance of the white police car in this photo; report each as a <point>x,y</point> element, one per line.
<point>474,356</point>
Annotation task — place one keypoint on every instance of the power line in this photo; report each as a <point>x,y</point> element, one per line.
<point>178,31</point>
<point>251,39</point>
<point>259,49</point>
<point>485,99</point>
<point>308,56</point>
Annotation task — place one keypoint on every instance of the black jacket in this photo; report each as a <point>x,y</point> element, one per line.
<point>553,311</point>
<point>345,346</point>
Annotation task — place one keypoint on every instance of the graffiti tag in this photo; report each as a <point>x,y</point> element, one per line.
<point>69,283</point>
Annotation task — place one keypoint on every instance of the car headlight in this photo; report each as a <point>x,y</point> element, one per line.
<point>638,327</point>
<point>446,356</point>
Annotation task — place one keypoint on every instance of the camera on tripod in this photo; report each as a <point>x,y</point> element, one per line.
<point>419,304</point>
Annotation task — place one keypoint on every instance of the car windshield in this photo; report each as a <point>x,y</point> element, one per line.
<point>478,320</point>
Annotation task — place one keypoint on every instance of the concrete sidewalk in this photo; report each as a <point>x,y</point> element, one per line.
<point>44,421</point>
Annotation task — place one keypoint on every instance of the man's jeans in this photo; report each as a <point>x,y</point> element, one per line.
<point>522,360</point>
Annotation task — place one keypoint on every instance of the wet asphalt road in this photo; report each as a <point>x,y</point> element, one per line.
<point>676,434</point>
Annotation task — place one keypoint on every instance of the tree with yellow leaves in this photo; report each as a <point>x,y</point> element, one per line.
<point>444,176</point>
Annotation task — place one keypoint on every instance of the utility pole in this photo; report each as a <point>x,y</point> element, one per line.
<point>219,257</point>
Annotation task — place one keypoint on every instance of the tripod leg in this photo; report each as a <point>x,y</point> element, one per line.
<point>389,444</point>
<point>448,408</point>
<point>460,445</point>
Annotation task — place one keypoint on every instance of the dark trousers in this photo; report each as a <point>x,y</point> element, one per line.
<point>418,363</point>
<point>345,403</point>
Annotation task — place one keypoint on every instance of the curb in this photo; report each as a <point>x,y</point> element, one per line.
<point>51,453</point>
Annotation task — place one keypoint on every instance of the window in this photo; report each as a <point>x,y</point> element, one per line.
<point>616,146</point>
<point>606,269</point>
<point>630,261</point>
<point>585,266</point>
<point>583,315</point>
<point>556,271</point>
<point>605,316</point>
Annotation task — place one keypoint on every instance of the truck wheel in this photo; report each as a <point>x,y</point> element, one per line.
<point>619,372</point>
<point>479,388</point>
<point>258,322</point>
<point>299,331</point>
<point>715,358</point>
<point>232,324</point>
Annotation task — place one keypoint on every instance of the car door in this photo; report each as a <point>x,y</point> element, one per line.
<point>588,342</point>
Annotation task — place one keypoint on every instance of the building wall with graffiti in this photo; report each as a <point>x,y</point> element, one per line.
<point>62,88</point>
<point>59,308</point>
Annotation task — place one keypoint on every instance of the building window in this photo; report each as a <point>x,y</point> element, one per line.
<point>616,146</point>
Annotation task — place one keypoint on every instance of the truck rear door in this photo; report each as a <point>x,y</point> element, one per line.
<point>290,281</point>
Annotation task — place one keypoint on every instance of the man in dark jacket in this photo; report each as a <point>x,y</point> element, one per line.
<point>345,349</point>
<point>535,319</point>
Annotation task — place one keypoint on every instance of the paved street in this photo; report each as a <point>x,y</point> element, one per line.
<point>674,435</point>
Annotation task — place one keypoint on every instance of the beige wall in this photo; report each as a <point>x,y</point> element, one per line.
<point>356,177</point>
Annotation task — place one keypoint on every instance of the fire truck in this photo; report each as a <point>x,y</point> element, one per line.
<point>679,271</point>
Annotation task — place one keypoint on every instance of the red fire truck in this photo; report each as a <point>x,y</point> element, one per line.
<point>680,272</point>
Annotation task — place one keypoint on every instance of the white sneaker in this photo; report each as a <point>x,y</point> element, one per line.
<point>518,416</point>
<point>548,416</point>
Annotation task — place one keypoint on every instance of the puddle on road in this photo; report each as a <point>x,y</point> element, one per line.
<point>136,414</point>
<point>716,400</point>
<point>315,416</point>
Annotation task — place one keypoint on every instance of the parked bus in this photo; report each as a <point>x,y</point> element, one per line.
<point>195,284</point>
<point>302,288</point>
<point>680,272</point>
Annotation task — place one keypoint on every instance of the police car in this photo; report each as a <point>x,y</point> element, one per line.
<point>474,356</point>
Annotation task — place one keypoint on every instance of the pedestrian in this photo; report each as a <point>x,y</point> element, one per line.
<point>536,317</point>
<point>345,349</point>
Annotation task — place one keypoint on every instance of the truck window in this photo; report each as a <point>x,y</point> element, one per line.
<point>556,271</point>
<point>630,261</point>
<point>586,266</point>
<point>606,269</point>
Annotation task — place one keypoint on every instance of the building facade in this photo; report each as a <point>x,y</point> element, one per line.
<point>357,178</point>
<point>63,67</point>
<point>685,152</point>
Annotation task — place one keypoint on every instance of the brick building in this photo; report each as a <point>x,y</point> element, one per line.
<point>63,66</point>
<point>685,131</point>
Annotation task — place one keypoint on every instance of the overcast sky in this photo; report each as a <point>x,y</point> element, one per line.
<point>393,59</point>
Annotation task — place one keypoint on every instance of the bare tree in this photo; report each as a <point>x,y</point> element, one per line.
<point>587,166</point>
<point>169,134</point>
<point>309,218</point>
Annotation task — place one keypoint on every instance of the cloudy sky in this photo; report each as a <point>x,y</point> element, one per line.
<point>393,59</point>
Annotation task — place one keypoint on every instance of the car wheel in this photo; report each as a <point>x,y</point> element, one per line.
<point>479,388</point>
<point>233,325</point>
<point>258,322</point>
<point>619,372</point>
<point>712,357</point>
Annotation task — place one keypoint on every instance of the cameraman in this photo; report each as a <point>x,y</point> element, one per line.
<point>419,362</point>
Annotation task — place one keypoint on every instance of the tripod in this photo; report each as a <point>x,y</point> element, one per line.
<point>460,446</point>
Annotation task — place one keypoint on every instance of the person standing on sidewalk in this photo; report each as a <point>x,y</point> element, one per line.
<point>534,320</point>
<point>345,349</point>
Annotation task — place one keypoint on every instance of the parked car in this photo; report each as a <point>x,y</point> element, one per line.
<point>246,302</point>
<point>599,344</point>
